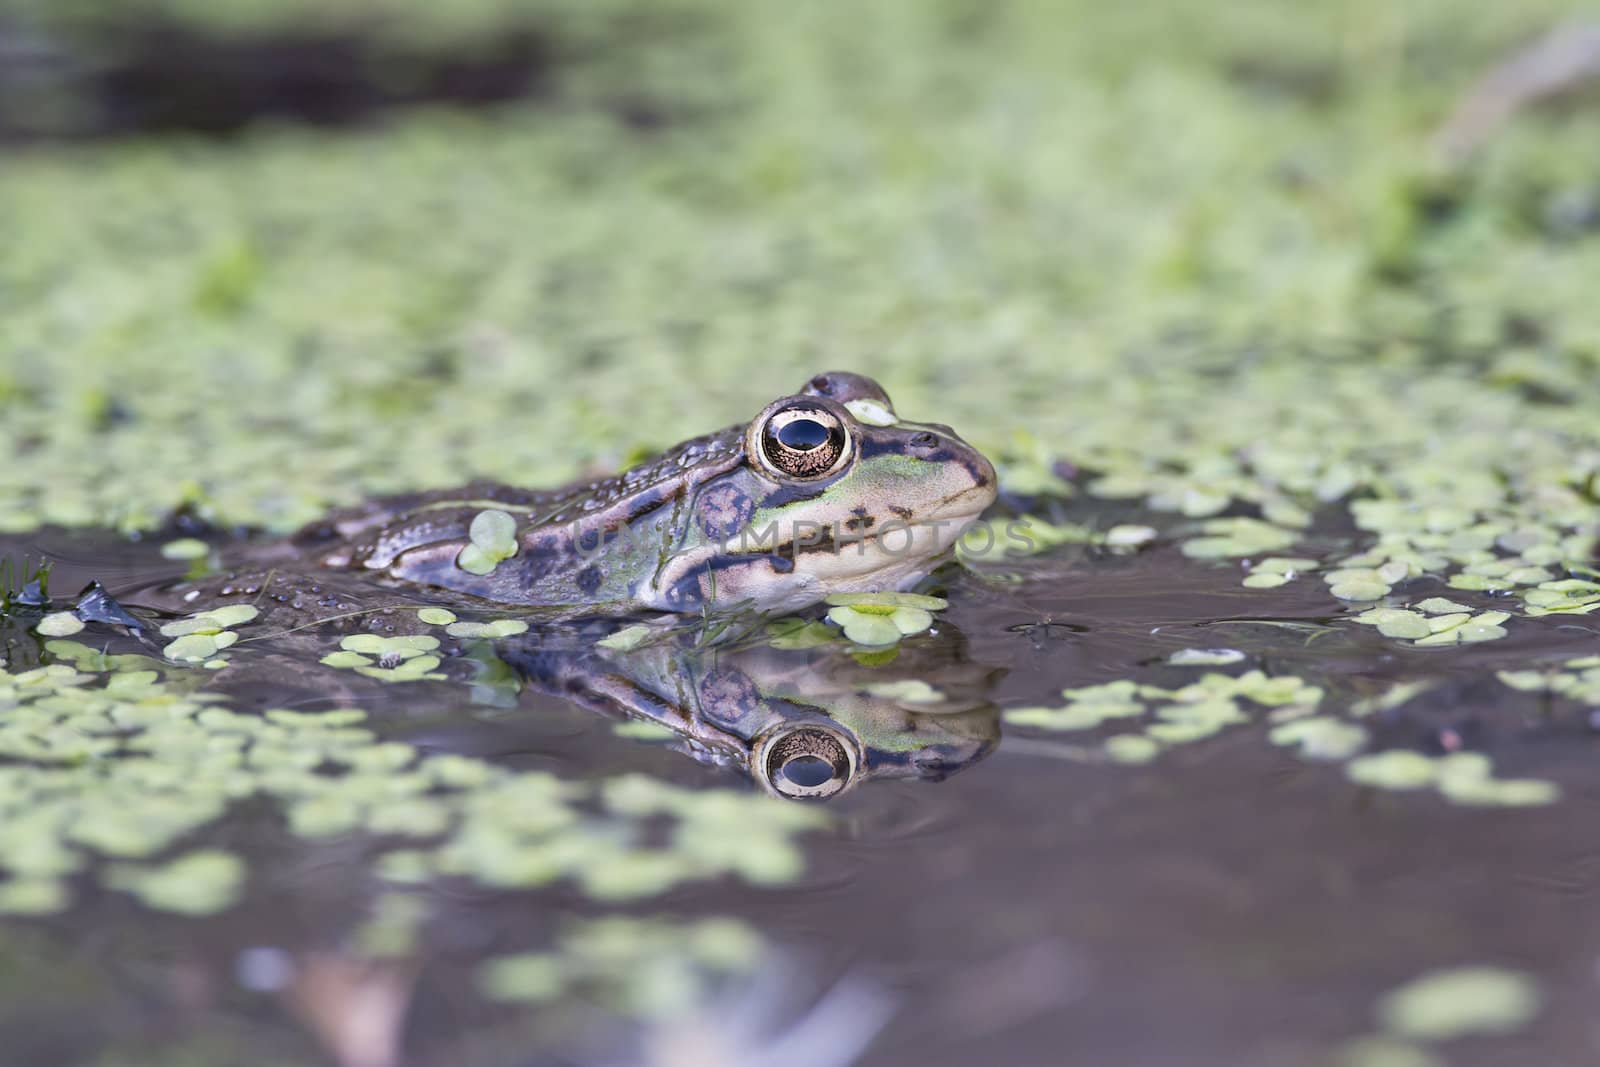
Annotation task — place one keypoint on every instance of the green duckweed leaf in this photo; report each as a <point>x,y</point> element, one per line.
<point>185,548</point>
<point>1359,589</point>
<point>496,629</point>
<point>197,883</point>
<point>1395,769</point>
<point>1321,737</point>
<point>1131,748</point>
<point>59,624</point>
<point>628,638</point>
<point>1205,657</point>
<point>1454,1003</point>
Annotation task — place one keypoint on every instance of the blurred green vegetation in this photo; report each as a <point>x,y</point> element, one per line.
<point>1157,240</point>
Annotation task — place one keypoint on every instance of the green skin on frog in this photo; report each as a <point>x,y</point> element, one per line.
<point>826,491</point>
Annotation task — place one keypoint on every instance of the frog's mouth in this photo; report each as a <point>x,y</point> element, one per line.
<point>802,562</point>
<point>945,522</point>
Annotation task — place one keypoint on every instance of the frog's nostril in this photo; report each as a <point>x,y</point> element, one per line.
<point>924,440</point>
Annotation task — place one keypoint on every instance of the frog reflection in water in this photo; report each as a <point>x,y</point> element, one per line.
<point>825,491</point>
<point>806,724</point>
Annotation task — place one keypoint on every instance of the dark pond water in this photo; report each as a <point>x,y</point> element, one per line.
<point>1230,901</point>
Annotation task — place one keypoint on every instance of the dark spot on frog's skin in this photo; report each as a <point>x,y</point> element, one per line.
<point>589,579</point>
<point>686,592</point>
<point>904,513</point>
<point>727,694</point>
<point>861,521</point>
<point>724,511</point>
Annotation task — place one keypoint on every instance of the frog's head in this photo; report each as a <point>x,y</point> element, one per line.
<point>834,493</point>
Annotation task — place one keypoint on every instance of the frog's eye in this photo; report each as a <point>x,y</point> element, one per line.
<point>807,763</point>
<point>803,440</point>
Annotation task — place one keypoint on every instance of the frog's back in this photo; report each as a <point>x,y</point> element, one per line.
<point>561,534</point>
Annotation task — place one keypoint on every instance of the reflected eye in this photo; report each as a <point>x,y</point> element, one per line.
<point>804,441</point>
<point>808,763</point>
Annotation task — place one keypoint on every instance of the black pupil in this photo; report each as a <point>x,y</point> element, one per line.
<point>803,435</point>
<point>808,772</point>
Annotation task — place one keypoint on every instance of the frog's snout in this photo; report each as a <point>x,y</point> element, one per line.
<point>976,482</point>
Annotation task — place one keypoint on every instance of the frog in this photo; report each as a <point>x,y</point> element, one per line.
<point>825,491</point>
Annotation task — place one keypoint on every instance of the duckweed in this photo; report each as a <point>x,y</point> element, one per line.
<point>1384,1051</point>
<point>1465,778</point>
<point>877,619</point>
<point>1425,630</point>
<point>199,637</point>
<point>185,548</point>
<point>1190,713</point>
<point>631,637</point>
<point>1448,1004</point>
<point>1238,537</point>
<point>125,756</point>
<point>1321,737</point>
<point>647,968</point>
<point>436,616</point>
<point>1578,679</point>
<point>1571,596</point>
<point>641,730</point>
<point>496,629</point>
<point>907,691</point>
<point>59,624</point>
<point>196,883</point>
<point>1205,657</point>
<point>493,534</point>
<point>402,658</point>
